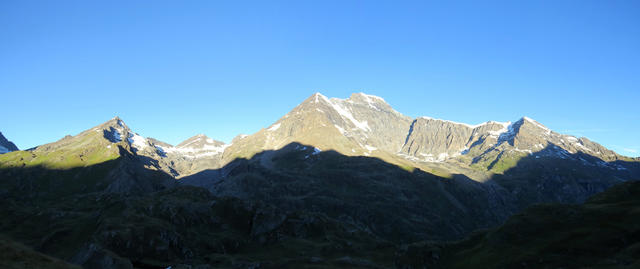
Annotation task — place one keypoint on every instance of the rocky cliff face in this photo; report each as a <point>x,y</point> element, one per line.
<point>358,125</point>
<point>6,145</point>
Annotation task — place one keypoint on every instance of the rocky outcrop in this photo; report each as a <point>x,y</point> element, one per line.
<point>6,145</point>
<point>94,256</point>
<point>436,140</point>
<point>546,236</point>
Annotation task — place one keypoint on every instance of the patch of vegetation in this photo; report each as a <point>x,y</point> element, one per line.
<point>187,225</point>
<point>14,255</point>
<point>602,233</point>
<point>61,156</point>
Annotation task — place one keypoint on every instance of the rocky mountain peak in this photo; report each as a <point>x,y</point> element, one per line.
<point>199,141</point>
<point>526,133</point>
<point>115,121</point>
<point>370,101</point>
<point>114,130</point>
<point>533,125</point>
<point>315,98</point>
<point>6,145</point>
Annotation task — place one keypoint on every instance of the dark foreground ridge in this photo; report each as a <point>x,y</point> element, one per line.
<point>297,207</point>
<point>602,233</point>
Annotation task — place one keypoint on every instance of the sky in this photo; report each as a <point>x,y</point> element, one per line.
<point>173,69</point>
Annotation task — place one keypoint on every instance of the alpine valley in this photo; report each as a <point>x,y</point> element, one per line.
<point>334,183</point>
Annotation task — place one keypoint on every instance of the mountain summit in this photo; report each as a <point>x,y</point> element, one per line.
<point>6,145</point>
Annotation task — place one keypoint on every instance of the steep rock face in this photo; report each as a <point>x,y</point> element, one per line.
<point>6,145</point>
<point>497,146</point>
<point>193,155</point>
<point>358,125</point>
<point>436,140</point>
<point>527,137</point>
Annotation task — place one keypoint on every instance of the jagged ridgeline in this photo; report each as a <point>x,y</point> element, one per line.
<point>333,183</point>
<point>6,145</point>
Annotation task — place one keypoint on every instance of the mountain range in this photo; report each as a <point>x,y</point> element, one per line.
<point>338,182</point>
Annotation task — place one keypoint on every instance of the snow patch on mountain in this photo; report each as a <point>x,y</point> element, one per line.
<point>508,134</point>
<point>571,139</point>
<point>346,114</point>
<point>368,96</point>
<point>197,139</point>
<point>274,127</point>
<point>370,148</point>
<point>442,156</point>
<point>117,135</point>
<point>370,102</point>
<point>137,141</point>
<point>498,133</point>
<point>505,124</point>
<point>426,158</point>
<point>318,96</point>
<point>192,152</point>
<point>161,150</point>
<point>535,123</point>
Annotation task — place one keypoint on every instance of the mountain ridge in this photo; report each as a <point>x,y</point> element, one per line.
<point>6,145</point>
<point>332,176</point>
<point>365,125</point>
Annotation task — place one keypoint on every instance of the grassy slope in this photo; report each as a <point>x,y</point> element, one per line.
<point>85,149</point>
<point>14,255</point>
<point>602,233</point>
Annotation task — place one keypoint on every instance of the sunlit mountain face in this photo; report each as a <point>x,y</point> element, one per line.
<point>334,183</point>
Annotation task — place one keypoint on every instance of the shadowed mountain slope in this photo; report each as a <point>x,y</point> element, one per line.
<point>602,233</point>
<point>401,204</point>
<point>185,225</point>
<point>336,218</point>
<point>14,255</point>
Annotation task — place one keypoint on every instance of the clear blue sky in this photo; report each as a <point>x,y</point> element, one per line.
<point>173,69</point>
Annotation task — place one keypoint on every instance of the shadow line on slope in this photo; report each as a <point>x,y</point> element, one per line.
<point>383,197</point>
